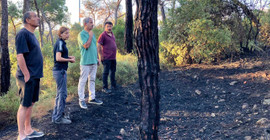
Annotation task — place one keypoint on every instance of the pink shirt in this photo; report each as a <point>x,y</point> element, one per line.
<point>108,45</point>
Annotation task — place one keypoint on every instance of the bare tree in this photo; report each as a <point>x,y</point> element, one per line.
<point>147,45</point>
<point>93,7</point>
<point>107,10</point>
<point>103,9</point>
<point>5,61</point>
<point>117,5</point>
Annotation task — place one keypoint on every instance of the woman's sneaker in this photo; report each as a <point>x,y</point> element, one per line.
<point>83,104</point>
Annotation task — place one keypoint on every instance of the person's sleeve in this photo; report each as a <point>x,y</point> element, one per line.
<point>21,44</point>
<point>59,46</point>
<point>101,39</point>
<point>82,39</point>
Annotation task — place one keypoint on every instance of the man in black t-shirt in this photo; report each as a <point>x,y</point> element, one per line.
<point>29,72</point>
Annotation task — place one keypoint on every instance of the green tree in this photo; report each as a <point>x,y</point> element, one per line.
<point>14,14</point>
<point>265,29</point>
<point>53,13</point>
<point>235,20</point>
<point>119,32</point>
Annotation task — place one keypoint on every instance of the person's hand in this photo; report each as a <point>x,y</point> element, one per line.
<point>101,58</point>
<point>99,62</point>
<point>26,77</point>
<point>72,60</point>
<point>91,33</point>
<point>72,57</point>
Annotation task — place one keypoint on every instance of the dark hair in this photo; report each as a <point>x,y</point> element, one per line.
<point>61,31</point>
<point>26,15</point>
<point>108,22</point>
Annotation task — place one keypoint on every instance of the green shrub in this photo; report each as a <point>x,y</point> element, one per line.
<point>204,42</point>
<point>208,42</point>
<point>119,32</point>
<point>10,101</point>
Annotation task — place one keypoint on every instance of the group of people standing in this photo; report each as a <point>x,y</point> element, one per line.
<point>30,69</point>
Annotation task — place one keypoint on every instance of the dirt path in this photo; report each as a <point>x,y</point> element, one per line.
<point>197,102</point>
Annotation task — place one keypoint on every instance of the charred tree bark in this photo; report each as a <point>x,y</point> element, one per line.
<point>147,44</point>
<point>5,61</point>
<point>26,6</point>
<point>39,28</point>
<point>129,27</point>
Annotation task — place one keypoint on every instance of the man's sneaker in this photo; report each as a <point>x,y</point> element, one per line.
<point>83,104</point>
<point>35,134</point>
<point>105,90</point>
<point>95,101</point>
<point>114,88</point>
<point>26,138</point>
<point>63,120</point>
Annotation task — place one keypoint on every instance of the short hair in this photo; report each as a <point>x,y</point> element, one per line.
<point>108,22</point>
<point>61,31</point>
<point>26,15</point>
<point>86,20</point>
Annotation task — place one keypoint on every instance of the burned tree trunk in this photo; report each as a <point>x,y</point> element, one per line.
<point>129,27</point>
<point>147,44</point>
<point>5,62</point>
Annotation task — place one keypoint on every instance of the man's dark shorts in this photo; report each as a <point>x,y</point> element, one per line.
<point>28,91</point>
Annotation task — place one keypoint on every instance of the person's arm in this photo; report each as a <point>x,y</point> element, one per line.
<point>88,43</point>
<point>98,59</point>
<point>23,67</point>
<point>99,47</point>
<point>59,58</point>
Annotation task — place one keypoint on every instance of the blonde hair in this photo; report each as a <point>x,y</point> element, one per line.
<point>61,31</point>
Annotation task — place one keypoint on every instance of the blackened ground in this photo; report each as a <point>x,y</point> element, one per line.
<point>197,102</point>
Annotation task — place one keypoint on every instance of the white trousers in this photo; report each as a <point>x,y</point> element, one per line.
<point>87,72</point>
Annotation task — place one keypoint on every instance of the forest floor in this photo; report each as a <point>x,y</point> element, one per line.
<point>201,102</point>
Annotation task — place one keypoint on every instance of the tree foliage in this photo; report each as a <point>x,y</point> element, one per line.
<point>205,31</point>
